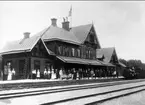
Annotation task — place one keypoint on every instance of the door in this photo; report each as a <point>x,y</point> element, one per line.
<point>21,69</point>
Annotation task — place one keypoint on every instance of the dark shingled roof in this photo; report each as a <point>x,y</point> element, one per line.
<point>107,52</point>
<point>76,35</point>
<point>20,45</point>
<point>82,31</point>
<point>23,45</point>
<point>56,33</point>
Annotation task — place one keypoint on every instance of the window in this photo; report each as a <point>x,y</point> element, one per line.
<point>89,55</point>
<point>94,54</point>
<point>87,52</point>
<point>70,52</point>
<point>63,50</point>
<point>92,38</point>
<point>73,52</point>
<point>59,50</point>
<point>78,52</point>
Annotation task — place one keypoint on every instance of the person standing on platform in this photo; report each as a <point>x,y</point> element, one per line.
<point>57,73</point>
<point>9,74</point>
<point>80,73</point>
<point>5,72</point>
<point>74,74</point>
<point>34,74</point>
<point>38,74</point>
<point>60,73</point>
<point>114,73</point>
<point>53,74</point>
<point>13,74</point>
<point>92,73</point>
<point>77,75</point>
<point>49,73</point>
<point>45,74</point>
<point>88,73</point>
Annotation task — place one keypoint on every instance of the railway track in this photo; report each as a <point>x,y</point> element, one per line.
<point>99,97</point>
<point>74,100</point>
<point>39,84</point>
<point>93,97</point>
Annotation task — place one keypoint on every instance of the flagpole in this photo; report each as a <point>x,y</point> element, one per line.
<point>71,21</point>
<point>70,15</point>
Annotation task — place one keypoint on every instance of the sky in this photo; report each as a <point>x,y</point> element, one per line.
<point>119,24</point>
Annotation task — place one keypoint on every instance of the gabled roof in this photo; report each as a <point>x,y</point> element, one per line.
<point>56,33</point>
<point>107,52</point>
<point>76,35</point>
<point>20,45</point>
<point>23,45</point>
<point>81,31</point>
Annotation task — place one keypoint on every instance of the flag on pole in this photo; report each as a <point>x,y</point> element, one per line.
<point>70,12</point>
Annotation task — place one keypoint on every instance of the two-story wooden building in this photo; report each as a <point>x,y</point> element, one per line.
<point>56,48</point>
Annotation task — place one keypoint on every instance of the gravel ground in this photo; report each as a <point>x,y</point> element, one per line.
<point>134,99</point>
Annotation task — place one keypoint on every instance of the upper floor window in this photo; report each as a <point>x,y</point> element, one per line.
<point>79,52</point>
<point>92,38</point>
<point>59,50</point>
<point>73,52</point>
<point>63,50</point>
<point>66,51</point>
<point>69,52</point>
<point>89,54</point>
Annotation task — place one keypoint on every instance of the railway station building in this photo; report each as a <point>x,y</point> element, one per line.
<point>76,49</point>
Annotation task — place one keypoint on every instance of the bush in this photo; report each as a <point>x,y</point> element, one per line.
<point>140,73</point>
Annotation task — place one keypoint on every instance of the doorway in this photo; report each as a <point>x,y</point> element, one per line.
<point>21,69</point>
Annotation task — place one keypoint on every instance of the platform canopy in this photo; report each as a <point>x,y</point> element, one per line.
<point>79,61</point>
<point>107,64</point>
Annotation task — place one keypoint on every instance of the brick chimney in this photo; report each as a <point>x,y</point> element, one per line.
<point>26,35</point>
<point>53,22</point>
<point>65,24</point>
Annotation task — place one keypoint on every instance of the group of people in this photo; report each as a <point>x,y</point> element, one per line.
<point>73,73</point>
<point>47,74</point>
<point>11,74</point>
<point>35,74</point>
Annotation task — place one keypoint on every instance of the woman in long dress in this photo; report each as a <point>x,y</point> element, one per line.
<point>60,73</point>
<point>13,74</point>
<point>9,74</point>
<point>49,74</point>
<point>45,74</point>
<point>53,74</point>
<point>38,74</point>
